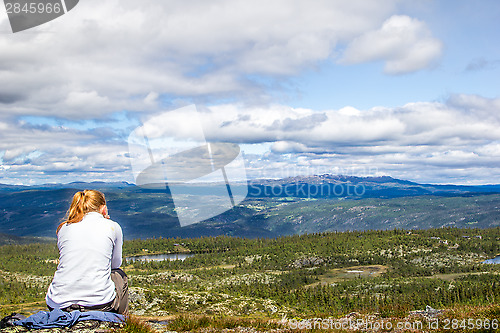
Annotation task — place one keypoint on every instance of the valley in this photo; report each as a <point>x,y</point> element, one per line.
<point>282,207</point>
<point>387,274</point>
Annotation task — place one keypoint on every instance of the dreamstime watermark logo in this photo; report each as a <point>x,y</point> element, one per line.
<point>205,179</point>
<point>26,14</point>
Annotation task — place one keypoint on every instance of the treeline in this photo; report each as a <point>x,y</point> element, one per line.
<point>36,259</point>
<point>390,298</point>
<point>13,292</point>
<point>475,240</point>
<point>396,248</point>
<point>19,261</point>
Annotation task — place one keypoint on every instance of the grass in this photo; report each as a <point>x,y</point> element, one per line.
<point>193,323</point>
<point>469,318</point>
<point>26,309</point>
<point>134,325</point>
<point>341,274</point>
<point>190,323</point>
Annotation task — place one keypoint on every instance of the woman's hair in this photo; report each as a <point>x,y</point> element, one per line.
<point>83,203</point>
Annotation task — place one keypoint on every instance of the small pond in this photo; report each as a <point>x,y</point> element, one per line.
<point>168,256</point>
<point>495,260</point>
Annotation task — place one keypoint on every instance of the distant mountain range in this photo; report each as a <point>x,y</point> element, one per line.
<point>272,208</point>
<point>333,186</point>
<point>77,185</point>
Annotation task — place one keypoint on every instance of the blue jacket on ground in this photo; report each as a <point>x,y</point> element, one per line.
<point>59,318</point>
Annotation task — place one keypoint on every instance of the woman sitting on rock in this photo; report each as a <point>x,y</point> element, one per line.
<point>88,276</point>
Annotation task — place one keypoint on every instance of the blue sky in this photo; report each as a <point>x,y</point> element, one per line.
<point>469,63</point>
<point>400,88</point>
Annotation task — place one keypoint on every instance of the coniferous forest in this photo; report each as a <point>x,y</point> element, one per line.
<point>386,274</point>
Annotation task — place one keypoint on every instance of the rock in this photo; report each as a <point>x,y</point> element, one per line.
<point>307,262</point>
<point>428,313</point>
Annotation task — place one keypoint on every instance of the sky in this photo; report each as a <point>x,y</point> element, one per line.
<point>407,89</point>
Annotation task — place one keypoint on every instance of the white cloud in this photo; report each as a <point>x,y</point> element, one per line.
<point>486,108</point>
<point>88,102</point>
<point>403,43</point>
<point>53,153</point>
<point>412,125</point>
<point>121,51</point>
<point>457,141</point>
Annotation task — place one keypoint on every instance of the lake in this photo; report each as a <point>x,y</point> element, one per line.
<point>168,256</point>
<point>495,260</point>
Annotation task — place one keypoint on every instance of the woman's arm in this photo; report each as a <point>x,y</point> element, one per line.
<point>116,259</point>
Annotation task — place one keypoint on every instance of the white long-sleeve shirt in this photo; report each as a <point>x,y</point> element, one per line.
<point>88,250</point>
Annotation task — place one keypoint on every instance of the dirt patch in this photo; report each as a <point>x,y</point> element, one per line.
<point>341,274</point>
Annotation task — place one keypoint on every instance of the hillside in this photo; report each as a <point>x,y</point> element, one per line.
<point>6,239</point>
<point>420,212</point>
<point>273,208</point>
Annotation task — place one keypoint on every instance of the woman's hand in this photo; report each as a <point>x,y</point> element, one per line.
<point>104,211</point>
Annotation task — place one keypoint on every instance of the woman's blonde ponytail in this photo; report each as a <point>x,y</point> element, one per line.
<point>83,203</point>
